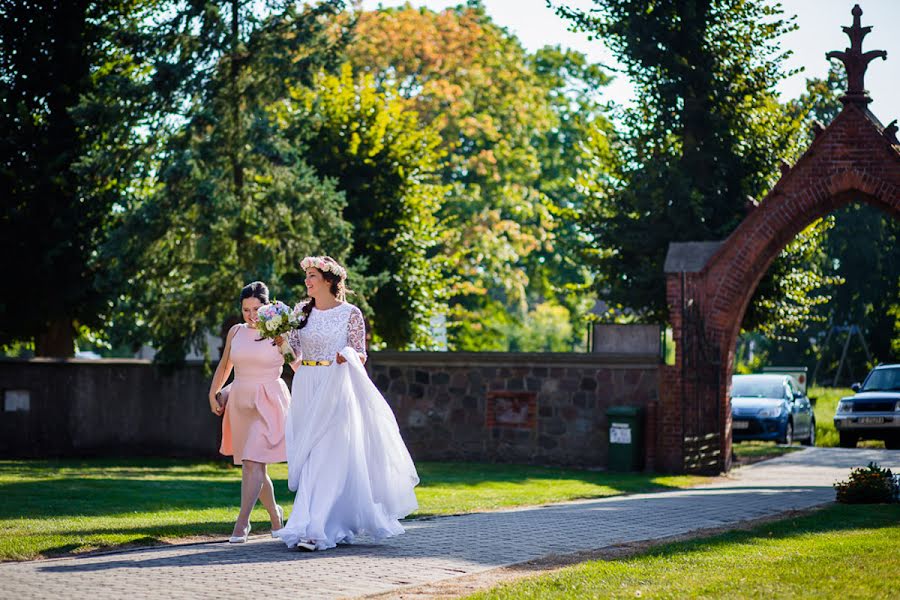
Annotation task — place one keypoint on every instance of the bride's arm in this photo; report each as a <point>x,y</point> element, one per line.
<point>294,346</point>
<point>293,338</point>
<point>356,335</point>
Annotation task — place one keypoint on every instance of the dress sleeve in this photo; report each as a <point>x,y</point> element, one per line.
<point>293,336</point>
<point>356,331</point>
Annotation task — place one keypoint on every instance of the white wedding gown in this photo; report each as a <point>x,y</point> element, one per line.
<point>346,460</point>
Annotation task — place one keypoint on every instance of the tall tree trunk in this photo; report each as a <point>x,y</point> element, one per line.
<point>58,341</point>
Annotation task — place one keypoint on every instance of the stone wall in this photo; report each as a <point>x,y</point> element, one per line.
<point>544,408</point>
<point>106,407</point>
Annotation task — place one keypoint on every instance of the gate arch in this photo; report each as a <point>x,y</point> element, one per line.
<point>710,284</point>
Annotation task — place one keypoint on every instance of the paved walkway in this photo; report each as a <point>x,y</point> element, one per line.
<point>440,548</point>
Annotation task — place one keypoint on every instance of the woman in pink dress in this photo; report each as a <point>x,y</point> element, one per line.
<point>254,416</point>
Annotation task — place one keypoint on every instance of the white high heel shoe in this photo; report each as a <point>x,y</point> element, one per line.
<point>240,539</point>
<point>280,512</point>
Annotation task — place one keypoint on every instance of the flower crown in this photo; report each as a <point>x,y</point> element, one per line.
<point>323,264</point>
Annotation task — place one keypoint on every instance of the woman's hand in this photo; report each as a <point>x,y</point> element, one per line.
<point>277,341</point>
<point>340,359</point>
<point>214,406</point>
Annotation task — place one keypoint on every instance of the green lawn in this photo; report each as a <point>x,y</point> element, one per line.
<point>826,434</point>
<point>51,508</point>
<point>759,450</point>
<point>842,551</point>
<point>826,404</point>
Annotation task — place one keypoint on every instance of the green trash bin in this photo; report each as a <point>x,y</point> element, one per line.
<point>626,438</point>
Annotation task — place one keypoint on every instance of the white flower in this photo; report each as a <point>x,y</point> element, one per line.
<point>323,265</point>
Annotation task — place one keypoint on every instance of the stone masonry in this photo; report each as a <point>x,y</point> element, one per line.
<point>452,406</point>
<point>546,408</point>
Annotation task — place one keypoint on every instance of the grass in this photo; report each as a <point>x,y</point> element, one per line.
<point>826,405</point>
<point>842,551</point>
<point>53,508</point>
<point>758,450</point>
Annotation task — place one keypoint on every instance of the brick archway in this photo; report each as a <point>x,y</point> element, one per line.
<point>710,284</point>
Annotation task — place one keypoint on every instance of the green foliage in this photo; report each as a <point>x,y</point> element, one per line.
<point>821,102</point>
<point>546,328</point>
<point>59,68</point>
<point>233,200</point>
<point>509,123</point>
<point>870,485</point>
<point>371,144</point>
<point>705,134</point>
<point>862,248</point>
<point>790,296</point>
<point>578,147</point>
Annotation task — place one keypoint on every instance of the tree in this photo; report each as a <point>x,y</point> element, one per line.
<point>65,92</point>
<point>705,134</point>
<point>373,146</point>
<point>233,200</point>
<point>502,115</point>
<point>579,147</point>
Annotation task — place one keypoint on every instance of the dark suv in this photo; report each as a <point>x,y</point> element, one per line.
<point>874,412</point>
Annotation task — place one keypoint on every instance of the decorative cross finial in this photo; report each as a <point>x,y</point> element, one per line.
<point>855,60</point>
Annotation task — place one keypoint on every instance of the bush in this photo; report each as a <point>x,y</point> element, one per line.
<point>868,485</point>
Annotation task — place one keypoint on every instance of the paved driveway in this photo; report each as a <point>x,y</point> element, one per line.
<point>440,548</point>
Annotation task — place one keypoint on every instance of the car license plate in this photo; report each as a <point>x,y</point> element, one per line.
<point>740,425</point>
<point>871,420</point>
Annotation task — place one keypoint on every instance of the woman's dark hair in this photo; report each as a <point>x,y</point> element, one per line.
<point>257,290</point>
<point>337,287</point>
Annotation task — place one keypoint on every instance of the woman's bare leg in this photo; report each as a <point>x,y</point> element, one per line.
<point>252,476</point>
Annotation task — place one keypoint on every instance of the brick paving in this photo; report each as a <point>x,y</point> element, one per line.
<point>439,548</point>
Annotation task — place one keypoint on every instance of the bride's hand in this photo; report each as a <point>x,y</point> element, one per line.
<point>340,359</point>
<point>277,341</point>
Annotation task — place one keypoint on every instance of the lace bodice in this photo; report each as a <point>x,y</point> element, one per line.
<point>330,331</point>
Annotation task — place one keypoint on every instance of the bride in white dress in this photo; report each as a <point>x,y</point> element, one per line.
<point>346,460</point>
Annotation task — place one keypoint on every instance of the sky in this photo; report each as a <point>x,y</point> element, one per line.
<point>819,23</point>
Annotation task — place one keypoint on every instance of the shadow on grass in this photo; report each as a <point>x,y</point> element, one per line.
<point>134,467</point>
<point>58,489</point>
<point>435,474</point>
<point>71,497</point>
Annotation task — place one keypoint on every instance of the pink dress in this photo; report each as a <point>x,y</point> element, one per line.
<point>253,423</point>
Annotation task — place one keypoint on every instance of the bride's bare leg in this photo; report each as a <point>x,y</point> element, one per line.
<point>252,476</point>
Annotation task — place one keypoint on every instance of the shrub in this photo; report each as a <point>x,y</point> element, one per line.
<point>868,485</point>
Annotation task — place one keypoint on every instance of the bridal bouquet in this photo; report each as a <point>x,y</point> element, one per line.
<point>276,319</point>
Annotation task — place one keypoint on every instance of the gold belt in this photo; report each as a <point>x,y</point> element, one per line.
<point>315,363</point>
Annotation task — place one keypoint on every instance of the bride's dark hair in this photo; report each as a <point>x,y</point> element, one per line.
<point>336,286</point>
